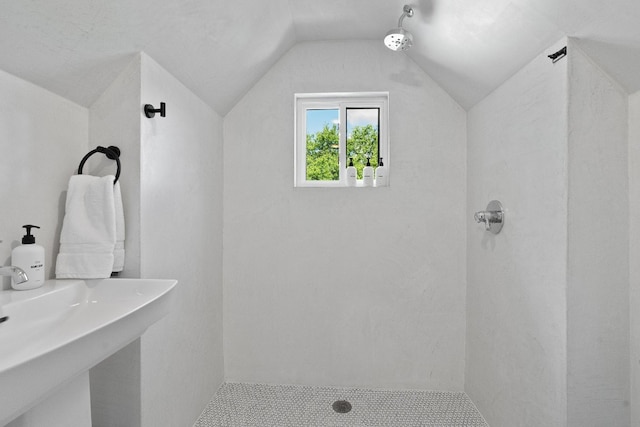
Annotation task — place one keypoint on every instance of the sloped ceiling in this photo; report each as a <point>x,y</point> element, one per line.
<point>220,48</point>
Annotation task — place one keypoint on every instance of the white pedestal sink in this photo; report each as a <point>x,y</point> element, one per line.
<point>50,337</point>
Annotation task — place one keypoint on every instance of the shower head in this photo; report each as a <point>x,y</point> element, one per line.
<point>399,38</point>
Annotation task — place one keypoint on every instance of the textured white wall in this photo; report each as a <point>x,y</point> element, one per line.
<point>634,253</point>
<point>43,137</point>
<point>516,322</point>
<point>172,194</point>
<point>114,119</point>
<point>598,261</point>
<point>346,286</point>
<point>181,238</point>
<point>548,318</point>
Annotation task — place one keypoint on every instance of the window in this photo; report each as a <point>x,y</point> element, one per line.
<point>334,129</point>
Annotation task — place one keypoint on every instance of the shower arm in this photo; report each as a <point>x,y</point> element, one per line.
<point>406,11</point>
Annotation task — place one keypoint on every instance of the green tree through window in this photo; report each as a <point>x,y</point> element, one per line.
<point>323,151</point>
<point>362,143</point>
<point>322,154</point>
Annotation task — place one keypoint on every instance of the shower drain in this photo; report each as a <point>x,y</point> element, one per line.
<point>341,406</point>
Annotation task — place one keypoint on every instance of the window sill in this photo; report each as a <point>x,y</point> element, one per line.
<point>359,184</point>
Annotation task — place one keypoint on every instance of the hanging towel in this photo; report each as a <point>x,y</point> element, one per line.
<point>88,236</point>
<point>118,252</point>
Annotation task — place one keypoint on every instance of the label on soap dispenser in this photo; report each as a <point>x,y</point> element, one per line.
<point>381,176</point>
<point>352,177</point>
<point>367,176</point>
<point>30,258</point>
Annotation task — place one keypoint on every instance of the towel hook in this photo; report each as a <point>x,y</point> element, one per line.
<point>112,152</point>
<point>150,111</point>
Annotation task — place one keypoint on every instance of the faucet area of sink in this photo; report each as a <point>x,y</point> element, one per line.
<point>55,333</point>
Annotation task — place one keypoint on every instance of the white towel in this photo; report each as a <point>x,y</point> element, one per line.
<point>118,252</point>
<point>88,236</point>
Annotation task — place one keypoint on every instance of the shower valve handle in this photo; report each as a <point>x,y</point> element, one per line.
<point>483,216</point>
<point>492,218</point>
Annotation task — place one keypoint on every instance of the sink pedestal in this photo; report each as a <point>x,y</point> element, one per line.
<point>68,406</point>
<point>52,336</point>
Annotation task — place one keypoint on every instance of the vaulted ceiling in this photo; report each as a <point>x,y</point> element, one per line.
<point>218,48</point>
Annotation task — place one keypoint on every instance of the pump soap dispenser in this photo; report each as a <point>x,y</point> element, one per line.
<point>30,258</point>
<point>367,174</point>
<point>382,179</point>
<point>352,178</point>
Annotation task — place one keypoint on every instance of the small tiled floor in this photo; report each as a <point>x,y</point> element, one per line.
<point>257,405</point>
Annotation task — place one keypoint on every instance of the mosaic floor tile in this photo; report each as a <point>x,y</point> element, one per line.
<point>258,405</point>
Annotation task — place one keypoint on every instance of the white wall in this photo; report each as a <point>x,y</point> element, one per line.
<point>598,245</point>
<point>516,322</point>
<point>172,193</point>
<point>181,238</point>
<point>345,286</point>
<point>114,119</point>
<point>547,311</point>
<point>43,137</point>
<point>634,253</point>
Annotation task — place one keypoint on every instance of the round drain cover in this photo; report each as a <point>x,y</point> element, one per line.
<point>341,406</point>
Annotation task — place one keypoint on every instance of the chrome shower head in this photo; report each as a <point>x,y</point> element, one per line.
<point>399,38</point>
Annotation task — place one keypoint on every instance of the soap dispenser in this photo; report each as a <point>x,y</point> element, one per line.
<point>367,174</point>
<point>382,179</point>
<point>30,258</point>
<point>352,177</point>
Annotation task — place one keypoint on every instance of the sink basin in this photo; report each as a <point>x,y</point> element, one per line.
<point>51,334</point>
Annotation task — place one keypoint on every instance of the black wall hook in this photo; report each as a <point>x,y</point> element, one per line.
<point>555,57</point>
<point>150,112</point>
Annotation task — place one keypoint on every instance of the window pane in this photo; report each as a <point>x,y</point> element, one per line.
<point>323,145</point>
<point>363,139</point>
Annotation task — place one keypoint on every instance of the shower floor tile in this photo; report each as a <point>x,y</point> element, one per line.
<point>258,405</point>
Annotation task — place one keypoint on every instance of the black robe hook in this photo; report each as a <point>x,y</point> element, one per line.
<point>150,112</point>
<point>555,57</point>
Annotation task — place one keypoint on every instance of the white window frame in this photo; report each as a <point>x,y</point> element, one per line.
<point>340,101</point>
